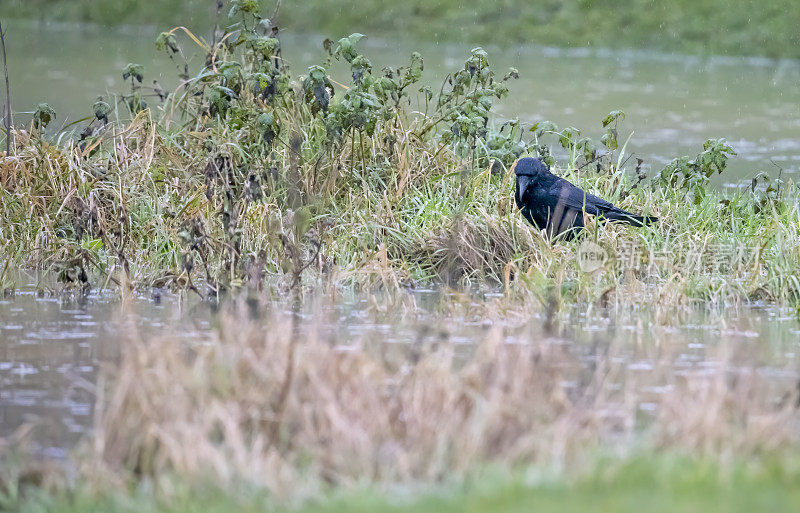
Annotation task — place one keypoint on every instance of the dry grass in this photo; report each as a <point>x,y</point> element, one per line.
<point>404,224</point>
<point>294,408</point>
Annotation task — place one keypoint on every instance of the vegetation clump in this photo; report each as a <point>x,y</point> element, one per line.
<point>245,174</point>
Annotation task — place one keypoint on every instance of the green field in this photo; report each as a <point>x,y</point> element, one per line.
<point>658,485</point>
<point>749,27</point>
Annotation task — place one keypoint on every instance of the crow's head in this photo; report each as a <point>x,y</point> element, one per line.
<point>531,167</point>
<point>528,170</point>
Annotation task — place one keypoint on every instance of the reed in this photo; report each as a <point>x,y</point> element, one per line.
<point>296,409</point>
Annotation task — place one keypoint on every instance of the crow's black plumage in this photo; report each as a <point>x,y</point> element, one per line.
<point>553,204</point>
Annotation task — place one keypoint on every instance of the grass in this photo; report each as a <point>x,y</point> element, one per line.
<point>298,405</point>
<point>278,412</point>
<point>740,28</point>
<point>685,485</point>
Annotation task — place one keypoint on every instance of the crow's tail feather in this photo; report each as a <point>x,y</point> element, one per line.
<point>618,215</point>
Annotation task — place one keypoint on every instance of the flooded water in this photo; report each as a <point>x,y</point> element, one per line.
<point>52,349</point>
<point>50,352</point>
<point>673,103</point>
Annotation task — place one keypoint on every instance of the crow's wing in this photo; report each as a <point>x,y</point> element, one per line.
<point>556,192</point>
<point>573,197</point>
<point>553,204</point>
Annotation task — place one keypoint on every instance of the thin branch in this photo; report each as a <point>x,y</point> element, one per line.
<point>8,94</point>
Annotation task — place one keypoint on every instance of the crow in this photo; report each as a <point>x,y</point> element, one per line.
<point>553,204</point>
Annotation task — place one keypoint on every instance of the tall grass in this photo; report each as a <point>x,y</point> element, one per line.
<point>280,407</point>
<point>297,408</point>
<point>409,226</point>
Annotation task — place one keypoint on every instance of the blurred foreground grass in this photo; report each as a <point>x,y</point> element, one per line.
<point>749,27</point>
<point>275,413</point>
<point>658,484</point>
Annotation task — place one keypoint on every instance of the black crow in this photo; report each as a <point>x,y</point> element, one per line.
<point>551,203</point>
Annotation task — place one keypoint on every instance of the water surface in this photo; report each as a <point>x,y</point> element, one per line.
<point>53,346</point>
<point>673,103</point>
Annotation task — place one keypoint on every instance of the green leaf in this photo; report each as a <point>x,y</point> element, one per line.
<point>302,222</point>
<point>614,115</point>
<point>543,127</point>
<point>355,38</point>
<point>266,120</point>
<point>480,52</point>
<point>567,137</point>
<point>101,109</point>
<point>589,148</point>
<point>92,244</point>
<point>266,46</point>
<point>135,71</point>
<point>167,40</point>
<point>417,65</point>
<point>244,6</point>
<point>317,73</point>
<point>43,116</point>
<point>609,140</point>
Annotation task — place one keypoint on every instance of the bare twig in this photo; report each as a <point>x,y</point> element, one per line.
<point>9,142</point>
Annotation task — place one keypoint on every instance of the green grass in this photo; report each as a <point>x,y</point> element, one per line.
<point>658,484</point>
<point>760,28</point>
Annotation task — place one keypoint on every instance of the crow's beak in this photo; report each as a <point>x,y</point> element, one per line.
<point>522,183</point>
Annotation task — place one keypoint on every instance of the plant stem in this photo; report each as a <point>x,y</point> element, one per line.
<point>9,137</point>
